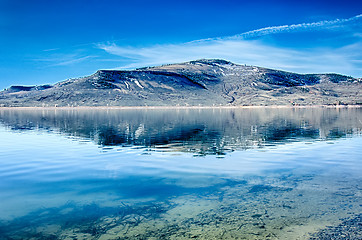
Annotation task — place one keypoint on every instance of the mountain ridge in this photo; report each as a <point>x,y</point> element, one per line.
<point>204,82</point>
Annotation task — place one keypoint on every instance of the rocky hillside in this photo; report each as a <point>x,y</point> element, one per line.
<point>196,83</point>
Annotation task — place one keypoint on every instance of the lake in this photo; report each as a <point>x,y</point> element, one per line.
<point>263,173</point>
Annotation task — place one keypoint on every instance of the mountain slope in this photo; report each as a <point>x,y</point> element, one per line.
<point>201,82</point>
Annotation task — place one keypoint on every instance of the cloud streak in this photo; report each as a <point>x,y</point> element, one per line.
<point>62,60</point>
<point>244,48</point>
<point>326,25</point>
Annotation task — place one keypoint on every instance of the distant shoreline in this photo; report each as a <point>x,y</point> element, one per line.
<point>178,107</point>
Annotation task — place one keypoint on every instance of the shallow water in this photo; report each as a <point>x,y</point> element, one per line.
<point>179,174</point>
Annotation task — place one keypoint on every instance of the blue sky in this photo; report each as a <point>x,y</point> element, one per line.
<point>49,41</point>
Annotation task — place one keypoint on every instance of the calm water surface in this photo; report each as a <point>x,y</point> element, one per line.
<point>180,174</point>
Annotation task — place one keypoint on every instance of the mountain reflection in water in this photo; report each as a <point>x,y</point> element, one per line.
<point>263,173</point>
<point>202,131</point>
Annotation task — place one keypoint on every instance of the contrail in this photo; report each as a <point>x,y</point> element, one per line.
<point>294,27</point>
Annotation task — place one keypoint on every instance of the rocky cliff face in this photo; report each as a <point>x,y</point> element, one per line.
<point>196,83</point>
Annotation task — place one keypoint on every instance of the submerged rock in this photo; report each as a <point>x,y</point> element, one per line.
<point>349,229</point>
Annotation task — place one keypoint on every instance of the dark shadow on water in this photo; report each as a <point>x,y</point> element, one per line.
<point>95,220</point>
<point>84,218</point>
<point>291,132</point>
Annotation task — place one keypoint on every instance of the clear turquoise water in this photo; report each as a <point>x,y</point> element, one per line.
<point>178,174</point>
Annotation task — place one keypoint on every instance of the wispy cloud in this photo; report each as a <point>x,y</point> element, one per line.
<point>332,24</point>
<point>244,48</point>
<point>62,60</point>
<point>249,52</point>
<point>72,61</point>
<point>50,49</point>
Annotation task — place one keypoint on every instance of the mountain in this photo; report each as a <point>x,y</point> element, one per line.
<point>206,82</point>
